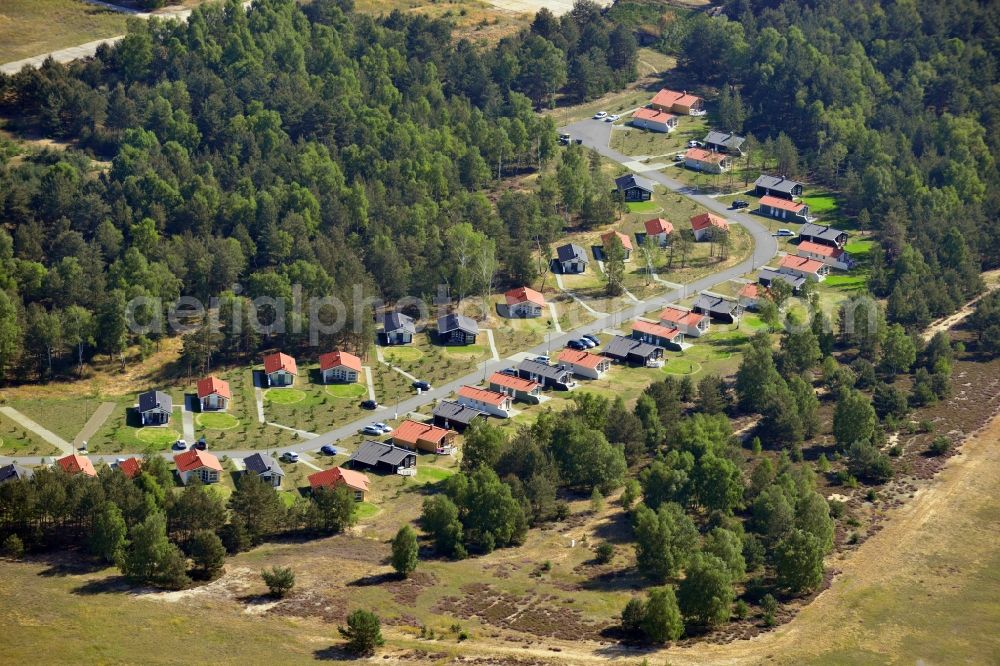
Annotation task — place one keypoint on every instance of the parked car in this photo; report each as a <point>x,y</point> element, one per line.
<point>383,427</point>
<point>693,144</point>
<point>180,445</point>
<point>290,456</point>
<point>741,203</point>
<point>422,385</point>
<point>612,118</point>
<point>369,404</point>
<point>371,430</point>
<point>785,232</point>
<point>576,344</point>
<point>600,115</point>
<point>564,138</point>
<point>592,338</point>
<point>540,359</point>
<point>589,344</point>
<point>679,157</point>
<point>328,450</point>
<point>201,444</point>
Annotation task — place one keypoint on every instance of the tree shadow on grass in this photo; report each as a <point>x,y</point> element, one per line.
<point>375,579</point>
<point>334,653</point>
<point>63,564</point>
<point>116,584</point>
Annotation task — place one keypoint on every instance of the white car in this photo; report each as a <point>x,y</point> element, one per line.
<point>693,144</point>
<point>383,427</point>
<point>600,114</point>
<point>290,456</point>
<point>612,118</point>
<point>371,430</point>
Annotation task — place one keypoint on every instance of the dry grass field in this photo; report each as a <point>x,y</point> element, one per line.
<point>32,27</point>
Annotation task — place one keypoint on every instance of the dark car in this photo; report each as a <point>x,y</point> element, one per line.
<point>369,404</point>
<point>741,203</point>
<point>422,385</point>
<point>592,338</point>
<point>328,450</point>
<point>201,444</point>
<point>576,344</point>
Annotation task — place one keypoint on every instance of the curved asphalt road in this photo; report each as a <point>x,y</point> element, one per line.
<point>594,134</point>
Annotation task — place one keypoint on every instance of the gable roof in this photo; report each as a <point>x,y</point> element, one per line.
<point>823,250</point>
<point>261,463</point>
<point>543,370</point>
<point>821,231</point>
<point>581,358</point>
<point>769,275</point>
<point>453,411</point>
<point>340,358</point>
<point>783,204</point>
<point>213,385</point>
<point>77,464</point>
<point>483,395</point>
<point>455,321</point>
<point>512,382</point>
<point>749,290</point>
<point>371,453</point>
<point>12,471</point>
<point>659,330</point>
<point>412,432</point>
<point>654,115</point>
<point>570,252</point>
<point>626,241</point>
<point>193,459</point>
<point>337,475</point>
<point>803,264</point>
<point>777,183</point>
<point>667,97</point>
<point>705,220</point>
<point>395,321</point>
<point>658,225</point>
<point>151,400</point>
<point>130,467</point>
<point>620,347</point>
<point>702,155</point>
<point>524,294</point>
<point>713,303</point>
<point>631,180</point>
<point>279,361</point>
<point>727,139</point>
<point>676,315</point>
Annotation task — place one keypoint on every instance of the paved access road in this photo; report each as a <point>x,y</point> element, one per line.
<point>594,135</point>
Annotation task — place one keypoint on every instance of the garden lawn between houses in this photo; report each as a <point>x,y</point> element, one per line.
<point>63,416</point>
<point>18,441</point>
<point>660,146</point>
<point>436,364</point>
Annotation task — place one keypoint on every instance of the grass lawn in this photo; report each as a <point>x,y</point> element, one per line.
<point>284,396</point>
<point>639,142</point>
<point>217,420</point>
<point>859,248</point>
<point>435,364</point>
<point>314,409</point>
<point>32,27</point>
<point>63,416</point>
<point>821,203</point>
<point>158,437</point>
<point>681,366</point>
<point>347,391</point>
<point>367,511</point>
<point>401,354</point>
<point>642,206</point>
<point>15,440</point>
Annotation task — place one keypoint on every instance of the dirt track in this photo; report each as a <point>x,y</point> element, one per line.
<point>557,7</point>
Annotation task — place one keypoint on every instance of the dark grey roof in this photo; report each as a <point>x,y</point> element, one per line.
<point>727,139</point>
<point>621,347</point>
<point>457,413</point>
<point>155,400</point>
<point>717,304</point>
<point>777,183</point>
<point>456,321</point>
<point>371,453</point>
<point>770,275</point>
<point>395,321</point>
<point>544,370</point>
<point>12,471</point>
<point>630,180</point>
<point>259,463</point>
<point>820,231</point>
<point>571,251</point>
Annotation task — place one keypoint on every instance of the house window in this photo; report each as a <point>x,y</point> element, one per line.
<point>359,496</point>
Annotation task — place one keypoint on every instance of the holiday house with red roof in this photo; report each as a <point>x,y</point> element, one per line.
<point>130,467</point>
<point>422,436</point>
<point>74,464</point>
<point>583,364</point>
<point>340,367</point>
<point>657,334</point>
<point>705,226</point>
<point>198,463</point>
<point>750,294</point>
<point>834,257</point>
<point>332,479</point>
<point>783,209</point>
<point>491,402</point>
<point>516,387</point>
<point>654,120</point>
<point>687,322</point>
<point>700,159</point>
<point>807,268</point>
<point>677,102</point>
<point>524,303</point>
<point>625,241</point>
<point>280,370</point>
<point>659,229</point>
<point>213,394</point>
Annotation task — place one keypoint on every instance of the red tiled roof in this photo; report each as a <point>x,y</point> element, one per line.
<point>654,115</point>
<point>522,294</point>
<point>278,361</point>
<point>823,250</point>
<point>749,290</point>
<point>626,241</point>
<point>512,382</point>
<point>196,459</point>
<point>658,226</point>
<point>213,385</point>
<point>339,358</point>
<point>702,155</point>
<point>331,478</point>
<point>658,330</point>
<point>77,464</point>
<point>705,220</point>
<point>783,204</point>
<point>801,263</point>
<point>130,467</point>
<point>679,316</point>
<point>667,97</point>
<point>482,395</point>
<point>582,358</point>
<point>410,432</point>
